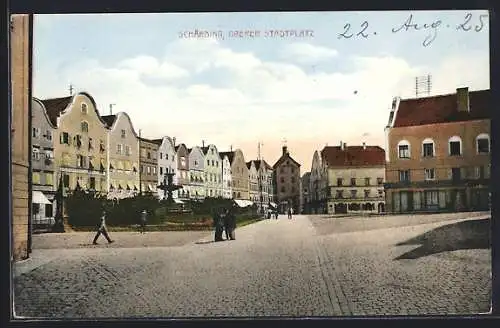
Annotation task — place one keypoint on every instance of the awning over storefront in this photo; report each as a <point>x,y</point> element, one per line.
<point>150,187</point>
<point>39,198</point>
<point>273,205</point>
<point>178,201</point>
<point>243,202</point>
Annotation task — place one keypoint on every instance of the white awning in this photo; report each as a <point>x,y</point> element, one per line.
<point>39,198</point>
<point>178,201</point>
<point>273,204</point>
<point>150,187</point>
<point>243,202</point>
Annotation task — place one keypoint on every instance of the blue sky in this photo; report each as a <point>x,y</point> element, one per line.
<point>239,91</point>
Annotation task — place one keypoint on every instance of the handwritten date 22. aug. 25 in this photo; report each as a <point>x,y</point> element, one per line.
<point>469,23</point>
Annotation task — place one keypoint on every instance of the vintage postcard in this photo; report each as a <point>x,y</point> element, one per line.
<point>284,164</point>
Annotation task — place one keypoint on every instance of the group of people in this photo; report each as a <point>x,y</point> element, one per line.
<point>224,220</point>
<point>274,213</point>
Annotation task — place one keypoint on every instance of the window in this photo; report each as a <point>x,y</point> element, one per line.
<point>483,143</point>
<point>48,135</point>
<point>101,146</point>
<point>36,154</point>
<point>293,189</point>
<point>36,132</point>
<point>149,155</point>
<point>49,210</point>
<point>455,174</point>
<point>380,181</point>
<point>49,179</point>
<point>81,161</point>
<point>35,178</point>
<point>149,169</point>
<point>404,149</point>
<point>340,194</point>
<point>283,189</point>
<point>161,170</point>
<point>367,181</point>
<point>353,181</point>
<point>195,163</point>
<point>431,198</point>
<point>428,148</point>
<point>161,155</point>
<point>84,108</point>
<point>429,174</point>
<point>183,161</point>
<point>293,179</point>
<point>166,157</point>
<point>380,193</point>
<point>127,150</point>
<point>353,193</point>
<point>208,162</point>
<point>455,146</point>
<point>339,182</point>
<point>213,163</point>
<point>154,169</point>
<point>64,138</point>
<point>119,149</point>
<point>367,193</point>
<point>404,176</point>
<point>84,126</point>
<point>123,134</point>
<point>92,183</point>
<point>66,181</point>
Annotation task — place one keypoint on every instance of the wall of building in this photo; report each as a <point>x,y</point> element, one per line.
<point>288,183</point>
<point>125,161</point>
<point>213,172</point>
<point>148,164</point>
<point>239,171</point>
<point>20,133</point>
<point>469,162</point>
<point>227,189</point>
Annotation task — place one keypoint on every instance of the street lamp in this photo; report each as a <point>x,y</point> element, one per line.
<point>59,217</point>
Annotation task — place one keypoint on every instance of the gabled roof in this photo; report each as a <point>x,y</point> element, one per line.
<point>55,106</point>
<point>257,164</point>
<point>229,154</point>
<point>353,156</point>
<point>283,158</point>
<point>157,141</point>
<point>442,109</point>
<point>109,120</point>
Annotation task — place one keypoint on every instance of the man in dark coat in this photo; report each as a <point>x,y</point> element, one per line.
<point>102,230</point>
<point>144,217</point>
<point>231,221</point>
<point>218,224</point>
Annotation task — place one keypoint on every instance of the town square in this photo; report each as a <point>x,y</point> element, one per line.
<point>251,165</point>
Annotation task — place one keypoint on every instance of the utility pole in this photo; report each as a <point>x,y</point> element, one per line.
<point>140,168</point>
<point>260,175</point>
<point>71,89</point>
<point>111,108</point>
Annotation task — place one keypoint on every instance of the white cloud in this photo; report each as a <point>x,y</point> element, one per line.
<point>306,53</point>
<point>265,101</point>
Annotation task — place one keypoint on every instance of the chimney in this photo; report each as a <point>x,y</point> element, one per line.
<point>173,139</point>
<point>285,151</point>
<point>344,146</point>
<point>364,145</point>
<point>203,143</point>
<point>231,148</point>
<point>463,99</point>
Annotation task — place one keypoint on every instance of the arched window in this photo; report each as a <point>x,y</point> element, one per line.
<point>455,146</point>
<point>428,148</point>
<point>84,126</point>
<point>404,149</point>
<point>483,143</point>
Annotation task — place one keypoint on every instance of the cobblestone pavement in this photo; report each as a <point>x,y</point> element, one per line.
<point>273,268</point>
<point>122,239</point>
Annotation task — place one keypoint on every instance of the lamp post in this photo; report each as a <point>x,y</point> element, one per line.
<point>59,217</point>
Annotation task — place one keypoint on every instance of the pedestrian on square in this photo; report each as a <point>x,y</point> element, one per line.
<point>290,213</point>
<point>218,224</point>
<point>231,220</point>
<point>225,220</point>
<point>144,218</point>
<point>102,230</point>
<point>276,214</point>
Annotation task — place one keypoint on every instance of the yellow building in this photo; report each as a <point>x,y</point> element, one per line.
<point>123,155</point>
<point>80,146</point>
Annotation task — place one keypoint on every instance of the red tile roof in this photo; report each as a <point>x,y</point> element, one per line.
<point>55,106</point>
<point>442,109</point>
<point>283,158</point>
<point>353,156</point>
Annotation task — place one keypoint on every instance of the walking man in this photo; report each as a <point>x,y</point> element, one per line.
<point>231,222</point>
<point>144,216</point>
<point>218,224</point>
<point>102,230</point>
<point>290,213</point>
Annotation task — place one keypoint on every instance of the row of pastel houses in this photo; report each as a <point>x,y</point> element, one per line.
<point>73,143</point>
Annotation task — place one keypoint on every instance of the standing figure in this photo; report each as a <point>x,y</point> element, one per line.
<point>276,214</point>
<point>144,217</point>
<point>290,213</point>
<point>102,230</point>
<point>231,219</point>
<point>225,222</point>
<point>218,224</point>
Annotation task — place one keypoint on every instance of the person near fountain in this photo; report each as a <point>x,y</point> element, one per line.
<point>231,223</point>
<point>218,218</point>
<point>144,216</point>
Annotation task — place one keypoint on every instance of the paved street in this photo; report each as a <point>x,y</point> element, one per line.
<point>308,266</point>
